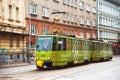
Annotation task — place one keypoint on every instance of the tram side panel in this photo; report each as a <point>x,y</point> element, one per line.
<point>96,51</point>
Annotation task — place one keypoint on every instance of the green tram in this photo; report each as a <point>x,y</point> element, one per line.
<point>56,50</point>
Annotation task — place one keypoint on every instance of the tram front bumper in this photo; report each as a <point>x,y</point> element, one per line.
<point>44,64</point>
<point>39,63</point>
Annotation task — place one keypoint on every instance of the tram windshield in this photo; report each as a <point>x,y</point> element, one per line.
<point>43,43</point>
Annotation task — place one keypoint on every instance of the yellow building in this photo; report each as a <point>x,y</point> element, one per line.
<point>12,30</point>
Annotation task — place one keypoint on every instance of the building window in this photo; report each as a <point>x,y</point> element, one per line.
<point>45,12</point>
<point>82,34</point>
<point>75,2</point>
<point>81,5</point>
<point>72,20</point>
<point>10,11</point>
<point>94,36</point>
<point>88,21</point>
<point>81,20</point>
<point>18,41</point>
<point>33,9</point>
<point>94,10</point>
<point>11,40</point>
<point>56,1</point>
<point>45,30</point>
<point>64,1</point>
<point>11,57</point>
<point>18,56</point>
<point>68,2</point>
<point>68,32</point>
<point>64,17</point>
<point>88,35</point>
<point>75,18</point>
<point>33,29</point>
<point>68,16</point>
<point>94,23</point>
<point>15,1</point>
<point>88,7</point>
<point>17,13</point>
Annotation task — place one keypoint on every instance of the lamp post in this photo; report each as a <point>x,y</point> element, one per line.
<point>58,12</point>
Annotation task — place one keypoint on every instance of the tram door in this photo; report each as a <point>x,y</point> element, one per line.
<point>61,49</point>
<point>61,44</point>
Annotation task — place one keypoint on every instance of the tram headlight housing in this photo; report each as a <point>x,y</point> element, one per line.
<point>49,58</point>
<point>37,58</point>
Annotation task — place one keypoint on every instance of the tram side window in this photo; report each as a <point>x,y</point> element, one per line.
<point>88,44</point>
<point>61,44</point>
<point>107,47</point>
<point>97,47</point>
<point>68,45</point>
<point>101,46</point>
<point>85,46</point>
<point>54,46</point>
<point>110,47</point>
<point>80,45</point>
<point>64,44</point>
<point>91,46</point>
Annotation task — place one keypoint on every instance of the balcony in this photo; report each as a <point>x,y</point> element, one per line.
<point>116,2</point>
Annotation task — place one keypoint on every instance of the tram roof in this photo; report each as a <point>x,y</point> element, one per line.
<point>74,37</point>
<point>65,36</point>
<point>99,41</point>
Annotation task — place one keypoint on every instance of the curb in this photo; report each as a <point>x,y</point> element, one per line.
<point>16,65</point>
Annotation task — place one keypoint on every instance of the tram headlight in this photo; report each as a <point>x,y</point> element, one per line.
<point>37,58</point>
<point>48,57</point>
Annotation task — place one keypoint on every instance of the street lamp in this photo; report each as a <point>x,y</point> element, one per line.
<point>58,12</point>
<point>54,21</point>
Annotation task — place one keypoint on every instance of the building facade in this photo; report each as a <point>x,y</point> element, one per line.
<point>12,30</point>
<point>79,18</point>
<point>108,20</point>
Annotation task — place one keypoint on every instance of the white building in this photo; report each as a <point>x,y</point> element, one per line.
<point>108,20</point>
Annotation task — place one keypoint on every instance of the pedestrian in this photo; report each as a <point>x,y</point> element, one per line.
<point>0,63</point>
<point>28,56</point>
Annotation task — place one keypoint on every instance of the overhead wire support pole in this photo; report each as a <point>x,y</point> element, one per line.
<point>98,33</point>
<point>29,29</point>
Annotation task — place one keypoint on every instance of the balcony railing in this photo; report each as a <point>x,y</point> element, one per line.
<point>116,2</point>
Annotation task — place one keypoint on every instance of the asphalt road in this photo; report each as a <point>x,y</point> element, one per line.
<point>107,70</point>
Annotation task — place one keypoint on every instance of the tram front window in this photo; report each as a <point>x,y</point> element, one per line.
<point>43,43</point>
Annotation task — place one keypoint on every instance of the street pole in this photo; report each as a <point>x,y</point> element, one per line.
<point>29,29</point>
<point>23,51</point>
<point>98,33</point>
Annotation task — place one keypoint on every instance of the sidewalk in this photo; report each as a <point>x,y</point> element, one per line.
<point>16,64</point>
<point>26,63</point>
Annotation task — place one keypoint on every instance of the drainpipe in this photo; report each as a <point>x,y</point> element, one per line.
<point>98,33</point>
